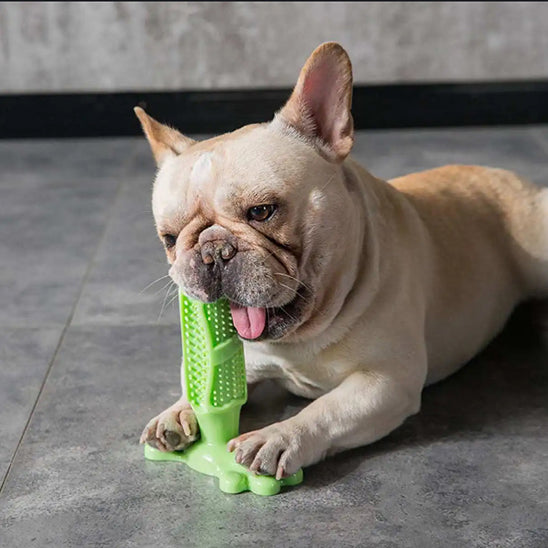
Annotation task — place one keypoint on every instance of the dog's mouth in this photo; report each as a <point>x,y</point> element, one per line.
<point>260,323</point>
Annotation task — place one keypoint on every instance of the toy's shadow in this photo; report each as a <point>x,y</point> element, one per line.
<point>507,382</point>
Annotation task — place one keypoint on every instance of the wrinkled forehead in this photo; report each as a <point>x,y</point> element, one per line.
<point>253,160</point>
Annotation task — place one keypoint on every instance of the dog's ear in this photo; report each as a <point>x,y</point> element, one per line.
<point>319,107</point>
<point>164,141</point>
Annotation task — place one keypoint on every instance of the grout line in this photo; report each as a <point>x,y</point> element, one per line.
<point>123,181</point>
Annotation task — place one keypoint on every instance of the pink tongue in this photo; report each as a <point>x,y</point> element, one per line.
<point>249,322</point>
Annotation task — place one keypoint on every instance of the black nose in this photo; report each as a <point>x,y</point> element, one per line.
<point>217,250</point>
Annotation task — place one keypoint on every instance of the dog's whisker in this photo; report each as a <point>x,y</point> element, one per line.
<point>168,285</point>
<point>174,288</point>
<point>152,283</point>
<point>306,286</point>
<point>172,299</point>
<point>164,301</point>
<point>287,313</point>
<point>315,308</point>
<point>295,291</point>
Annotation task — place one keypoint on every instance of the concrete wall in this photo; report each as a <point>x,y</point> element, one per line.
<point>85,46</point>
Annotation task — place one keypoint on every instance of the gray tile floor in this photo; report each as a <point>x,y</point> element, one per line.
<point>87,357</point>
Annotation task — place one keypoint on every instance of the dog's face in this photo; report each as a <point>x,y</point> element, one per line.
<point>255,215</point>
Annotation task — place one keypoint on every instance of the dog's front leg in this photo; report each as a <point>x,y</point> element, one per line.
<point>365,407</point>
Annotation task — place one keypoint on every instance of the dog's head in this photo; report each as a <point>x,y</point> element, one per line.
<point>260,215</point>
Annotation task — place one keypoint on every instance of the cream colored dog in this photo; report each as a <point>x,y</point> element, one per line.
<point>347,289</point>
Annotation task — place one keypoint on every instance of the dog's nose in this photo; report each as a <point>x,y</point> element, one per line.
<point>217,251</point>
<point>227,251</point>
<point>217,244</point>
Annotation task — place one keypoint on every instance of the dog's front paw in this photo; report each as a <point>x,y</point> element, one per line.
<point>172,430</point>
<point>276,450</point>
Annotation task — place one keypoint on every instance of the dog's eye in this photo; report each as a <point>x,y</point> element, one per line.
<point>169,240</point>
<point>261,212</point>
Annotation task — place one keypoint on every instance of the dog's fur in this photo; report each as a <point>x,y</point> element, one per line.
<point>372,289</point>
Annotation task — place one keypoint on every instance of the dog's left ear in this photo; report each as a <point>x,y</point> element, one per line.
<point>163,140</point>
<point>319,107</point>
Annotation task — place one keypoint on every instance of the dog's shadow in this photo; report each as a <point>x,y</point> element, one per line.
<point>494,392</point>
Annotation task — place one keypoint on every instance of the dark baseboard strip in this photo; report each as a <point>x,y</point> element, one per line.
<point>374,107</point>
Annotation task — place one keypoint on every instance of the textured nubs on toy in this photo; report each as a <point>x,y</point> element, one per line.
<point>215,386</point>
<point>213,356</point>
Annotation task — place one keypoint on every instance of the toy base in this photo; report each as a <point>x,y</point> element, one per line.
<point>215,460</point>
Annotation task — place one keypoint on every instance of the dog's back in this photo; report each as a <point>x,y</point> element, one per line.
<point>509,206</point>
<point>488,230</point>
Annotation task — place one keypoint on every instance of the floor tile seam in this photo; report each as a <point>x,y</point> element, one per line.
<point>91,264</point>
<point>89,325</point>
<point>31,326</point>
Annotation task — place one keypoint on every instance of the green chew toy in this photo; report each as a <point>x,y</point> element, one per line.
<point>216,388</point>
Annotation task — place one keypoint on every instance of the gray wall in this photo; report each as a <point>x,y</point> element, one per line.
<point>85,46</point>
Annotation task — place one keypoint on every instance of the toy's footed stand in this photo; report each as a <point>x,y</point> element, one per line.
<point>216,388</point>
<point>210,456</point>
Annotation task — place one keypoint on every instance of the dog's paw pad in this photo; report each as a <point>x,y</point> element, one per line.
<point>173,430</point>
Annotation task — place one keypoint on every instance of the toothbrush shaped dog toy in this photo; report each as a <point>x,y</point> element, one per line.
<point>216,388</point>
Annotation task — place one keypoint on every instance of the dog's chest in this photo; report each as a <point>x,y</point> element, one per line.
<point>299,373</point>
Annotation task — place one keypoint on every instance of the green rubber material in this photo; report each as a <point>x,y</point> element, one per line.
<point>215,385</point>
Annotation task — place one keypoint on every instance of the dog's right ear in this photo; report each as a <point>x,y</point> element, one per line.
<point>163,140</point>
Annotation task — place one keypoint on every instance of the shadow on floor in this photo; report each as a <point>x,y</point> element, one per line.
<point>492,395</point>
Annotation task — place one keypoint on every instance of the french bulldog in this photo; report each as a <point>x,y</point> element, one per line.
<point>349,290</point>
